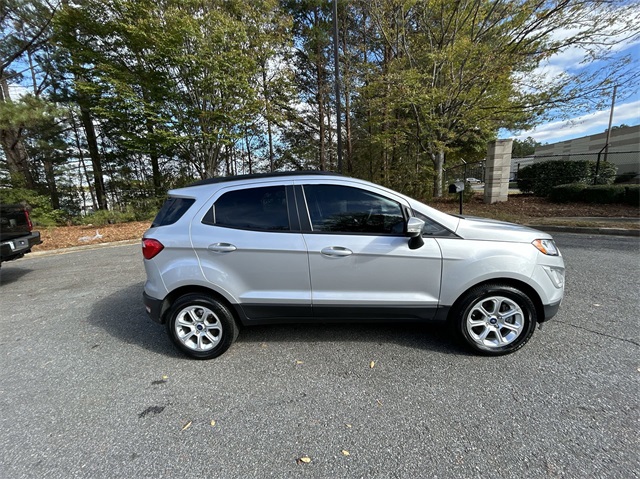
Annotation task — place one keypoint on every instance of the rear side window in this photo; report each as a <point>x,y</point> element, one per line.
<point>172,211</point>
<point>262,209</point>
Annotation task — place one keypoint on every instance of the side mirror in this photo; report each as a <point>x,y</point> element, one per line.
<point>414,227</point>
<point>414,232</point>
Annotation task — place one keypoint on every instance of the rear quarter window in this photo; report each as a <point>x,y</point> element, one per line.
<point>172,210</point>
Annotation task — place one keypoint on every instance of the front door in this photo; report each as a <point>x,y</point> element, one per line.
<point>360,262</point>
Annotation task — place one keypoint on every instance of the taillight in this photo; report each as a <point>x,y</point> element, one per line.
<point>29,223</point>
<point>151,247</point>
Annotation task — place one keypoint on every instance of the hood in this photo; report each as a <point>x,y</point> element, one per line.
<point>471,227</point>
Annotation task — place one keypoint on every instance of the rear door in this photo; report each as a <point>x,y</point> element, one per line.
<point>249,243</point>
<point>359,258</point>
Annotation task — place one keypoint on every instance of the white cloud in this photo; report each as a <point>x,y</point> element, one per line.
<point>615,38</point>
<point>597,122</point>
<point>17,91</point>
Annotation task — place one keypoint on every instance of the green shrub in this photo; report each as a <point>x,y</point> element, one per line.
<point>540,178</point>
<point>567,193</point>
<point>144,210</point>
<point>603,194</point>
<point>104,217</point>
<point>632,195</point>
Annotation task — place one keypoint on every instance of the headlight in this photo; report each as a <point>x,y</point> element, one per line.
<point>546,246</point>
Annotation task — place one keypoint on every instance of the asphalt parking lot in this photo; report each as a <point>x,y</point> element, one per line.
<point>91,388</point>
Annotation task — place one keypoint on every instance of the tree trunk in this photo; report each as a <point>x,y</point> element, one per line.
<point>320,98</point>
<point>438,164</point>
<point>94,153</point>
<point>50,176</point>
<point>14,149</point>
<point>154,156</point>
<point>267,114</point>
<point>155,163</point>
<point>84,165</point>
<point>249,158</point>
<point>346,85</point>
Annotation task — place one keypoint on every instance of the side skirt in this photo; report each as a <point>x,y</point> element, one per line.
<point>278,314</point>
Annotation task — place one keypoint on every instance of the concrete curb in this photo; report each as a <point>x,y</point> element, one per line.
<point>586,230</point>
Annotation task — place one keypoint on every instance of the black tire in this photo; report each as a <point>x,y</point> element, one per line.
<point>494,319</point>
<point>200,326</point>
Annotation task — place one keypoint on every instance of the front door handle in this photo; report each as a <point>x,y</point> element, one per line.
<point>221,248</point>
<point>336,251</point>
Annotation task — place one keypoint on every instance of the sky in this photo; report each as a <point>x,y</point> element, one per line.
<point>627,105</point>
<point>627,113</point>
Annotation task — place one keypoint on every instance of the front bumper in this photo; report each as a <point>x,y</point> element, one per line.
<point>153,307</point>
<point>550,310</point>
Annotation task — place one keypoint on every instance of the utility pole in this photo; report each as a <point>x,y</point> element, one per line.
<point>613,102</point>
<point>337,83</point>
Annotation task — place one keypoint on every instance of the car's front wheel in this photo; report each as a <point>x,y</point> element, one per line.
<point>495,319</point>
<point>201,326</point>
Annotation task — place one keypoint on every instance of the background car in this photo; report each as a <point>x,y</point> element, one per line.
<point>323,247</point>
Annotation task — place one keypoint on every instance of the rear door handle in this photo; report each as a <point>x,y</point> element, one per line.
<point>336,251</point>
<point>221,248</point>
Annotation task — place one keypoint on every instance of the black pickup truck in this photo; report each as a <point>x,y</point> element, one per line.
<point>16,232</point>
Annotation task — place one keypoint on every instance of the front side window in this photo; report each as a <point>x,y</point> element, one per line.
<point>343,209</point>
<point>262,209</point>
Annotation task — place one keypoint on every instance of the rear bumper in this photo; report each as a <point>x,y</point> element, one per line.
<point>17,247</point>
<point>153,307</point>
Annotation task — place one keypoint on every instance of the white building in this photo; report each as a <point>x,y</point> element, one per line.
<point>624,149</point>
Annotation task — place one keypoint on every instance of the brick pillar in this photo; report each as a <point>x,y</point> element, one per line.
<point>497,171</point>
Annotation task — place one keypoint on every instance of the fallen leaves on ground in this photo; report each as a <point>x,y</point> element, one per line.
<point>303,460</point>
<point>187,425</point>
<point>67,236</point>
<point>525,208</point>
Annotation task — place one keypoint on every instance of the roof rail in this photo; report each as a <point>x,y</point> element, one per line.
<point>223,179</point>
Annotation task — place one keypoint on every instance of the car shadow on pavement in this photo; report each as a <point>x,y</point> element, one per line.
<point>434,336</point>
<point>122,315</point>
<point>9,274</point>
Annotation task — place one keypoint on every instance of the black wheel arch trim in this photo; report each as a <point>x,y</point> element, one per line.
<point>543,312</point>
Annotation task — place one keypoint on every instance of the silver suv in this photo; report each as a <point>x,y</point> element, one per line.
<point>324,247</point>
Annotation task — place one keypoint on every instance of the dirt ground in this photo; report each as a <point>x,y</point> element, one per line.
<point>524,209</point>
<point>520,209</point>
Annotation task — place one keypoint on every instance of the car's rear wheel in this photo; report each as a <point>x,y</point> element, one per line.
<point>200,326</point>
<point>495,319</point>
